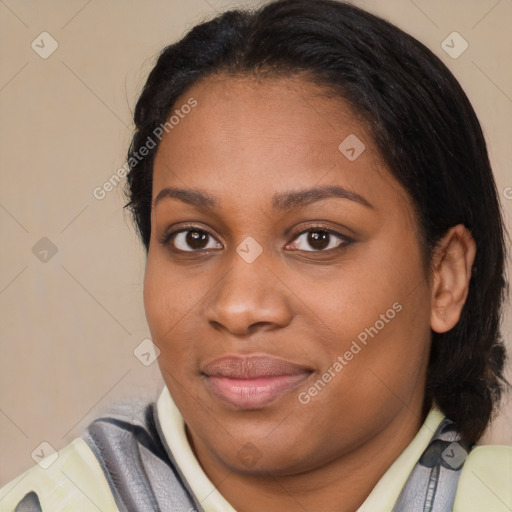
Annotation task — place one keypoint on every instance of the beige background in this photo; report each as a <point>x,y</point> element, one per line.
<point>70,324</point>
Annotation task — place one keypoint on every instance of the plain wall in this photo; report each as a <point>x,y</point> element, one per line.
<point>70,324</point>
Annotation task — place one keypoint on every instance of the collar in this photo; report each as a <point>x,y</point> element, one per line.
<point>381,499</point>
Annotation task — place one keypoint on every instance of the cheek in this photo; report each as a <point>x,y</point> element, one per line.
<point>173,306</point>
<point>165,304</point>
<point>167,294</point>
<point>378,313</point>
<point>156,299</point>
<point>366,288</point>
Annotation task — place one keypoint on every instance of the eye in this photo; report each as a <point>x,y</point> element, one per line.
<point>314,239</point>
<point>191,240</point>
<point>320,240</point>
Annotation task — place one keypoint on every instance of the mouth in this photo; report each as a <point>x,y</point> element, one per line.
<point>252,382</point>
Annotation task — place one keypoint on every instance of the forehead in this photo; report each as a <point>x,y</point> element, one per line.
<point>282,110</point>
<point>257,136</point>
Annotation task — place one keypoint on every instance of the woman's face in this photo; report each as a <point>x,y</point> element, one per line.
<point>290,305</point>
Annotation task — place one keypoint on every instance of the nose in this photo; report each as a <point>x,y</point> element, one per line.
<point>249,297</point>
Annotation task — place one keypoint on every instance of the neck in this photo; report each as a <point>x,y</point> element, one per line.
<point>340,485</point>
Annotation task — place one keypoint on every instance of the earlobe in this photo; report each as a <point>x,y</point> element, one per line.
<point>453,260</point>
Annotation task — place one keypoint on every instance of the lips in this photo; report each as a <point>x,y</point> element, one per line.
<point>252,382</point>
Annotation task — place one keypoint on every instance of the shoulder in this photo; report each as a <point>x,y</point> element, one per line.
<point>71,479</point>
<point>121,462</point>
<point>137,462</point>
<point>486,480</point>
<point>80,476</point>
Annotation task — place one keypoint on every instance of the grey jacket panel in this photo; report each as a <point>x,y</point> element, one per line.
<point>142,475</point>
<point>432,484</point>
<point>29,503</point>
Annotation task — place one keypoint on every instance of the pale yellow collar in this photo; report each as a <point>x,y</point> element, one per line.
<point>384,495</point>
<point>381,499</point>
<point>173,429</point>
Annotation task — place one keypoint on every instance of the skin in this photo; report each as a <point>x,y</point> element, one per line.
<point>244,142</point>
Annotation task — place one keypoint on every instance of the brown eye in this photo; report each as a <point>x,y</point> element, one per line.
<point>319,240</point>
<point>191,240</point>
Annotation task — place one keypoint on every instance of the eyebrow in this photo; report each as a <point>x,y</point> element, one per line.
<point>281,201</point>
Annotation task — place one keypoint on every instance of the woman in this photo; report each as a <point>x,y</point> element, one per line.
<point>324,281</point>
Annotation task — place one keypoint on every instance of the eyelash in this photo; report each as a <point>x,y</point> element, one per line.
<point>345,241</point>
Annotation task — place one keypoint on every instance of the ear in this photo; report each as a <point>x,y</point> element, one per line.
<point>452,262</point>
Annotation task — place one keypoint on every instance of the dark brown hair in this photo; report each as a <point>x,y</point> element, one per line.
<point>420,119</point>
